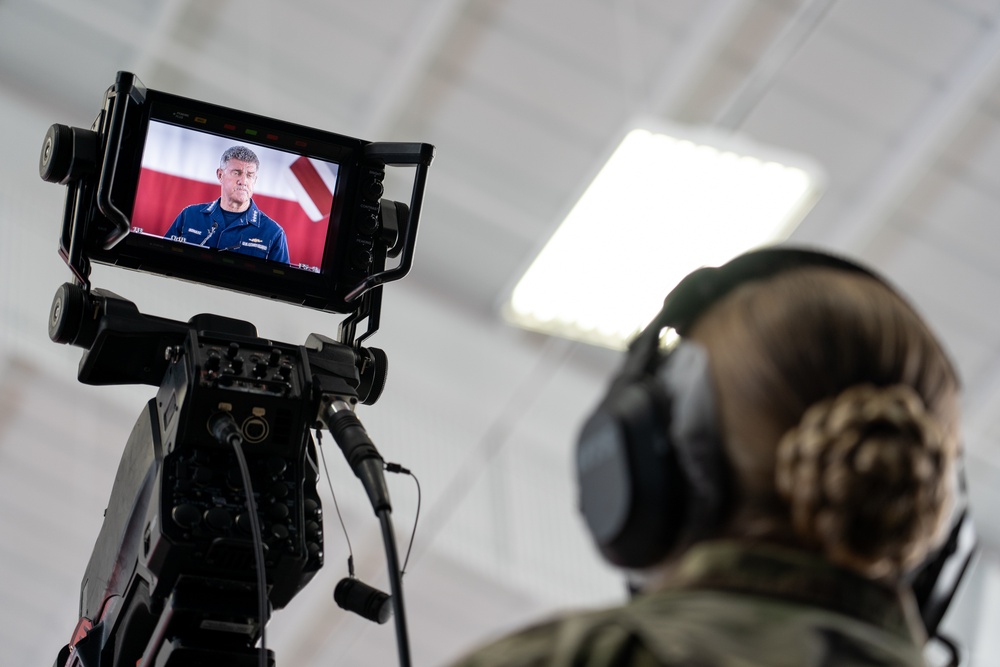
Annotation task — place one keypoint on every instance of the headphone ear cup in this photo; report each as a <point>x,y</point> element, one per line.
<point>631,493</point>
<point>650,460</point>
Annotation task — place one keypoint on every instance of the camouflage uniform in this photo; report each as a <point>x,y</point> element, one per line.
<point>732,605</point>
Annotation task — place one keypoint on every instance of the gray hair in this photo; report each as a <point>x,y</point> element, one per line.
<point>241,153</point>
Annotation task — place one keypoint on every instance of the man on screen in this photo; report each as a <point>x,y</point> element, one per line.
<point>233,222</point>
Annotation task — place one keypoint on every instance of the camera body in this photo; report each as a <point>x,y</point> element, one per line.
<point>173,569</point>
<point>214,519</point>
<point>150,154</point>
<point>203,526</point>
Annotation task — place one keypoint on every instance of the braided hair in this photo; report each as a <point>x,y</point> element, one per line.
<point>839,415</point>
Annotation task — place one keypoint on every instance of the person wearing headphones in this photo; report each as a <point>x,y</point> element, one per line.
<point>786,477</point>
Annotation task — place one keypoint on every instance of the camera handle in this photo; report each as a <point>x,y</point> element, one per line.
<point>126,84</point>
<point>71,153</point>
<point>399,155</point>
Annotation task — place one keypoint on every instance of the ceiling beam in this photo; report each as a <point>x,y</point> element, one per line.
<point>940,120</point>
<point>782,49</point>
<point>982,405</point>
<point>106,24</point>
<point>158,39</point>
<point>704,40</point>
<point>160,46</point>
<point>916,149</point>
<point>410,66</point>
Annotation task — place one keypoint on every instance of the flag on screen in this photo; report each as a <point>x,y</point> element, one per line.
<point>313,183</point>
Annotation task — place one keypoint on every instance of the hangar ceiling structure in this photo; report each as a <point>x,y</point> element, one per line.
<point>896,99</point>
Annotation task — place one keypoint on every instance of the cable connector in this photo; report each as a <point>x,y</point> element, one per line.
<point>223,428</point>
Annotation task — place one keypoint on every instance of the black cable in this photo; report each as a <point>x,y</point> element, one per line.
<point>497,436</point>
<point>955,656</point>
<point>224,428</point>
<point>396,468</point>
<point>395,586</point>
<point>367,464</point>
<point>336,505</point>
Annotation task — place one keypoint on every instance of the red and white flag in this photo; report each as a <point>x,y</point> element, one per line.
<point>179,169</point>
<point>313,182</point>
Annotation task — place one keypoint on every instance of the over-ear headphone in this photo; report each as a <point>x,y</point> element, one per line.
<point>652,473</point>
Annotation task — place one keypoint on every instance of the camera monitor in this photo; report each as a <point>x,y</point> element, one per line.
<point>181,188</point>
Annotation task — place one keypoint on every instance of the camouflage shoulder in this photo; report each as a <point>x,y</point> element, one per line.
<point>587,640</point>
<point>528,647</point>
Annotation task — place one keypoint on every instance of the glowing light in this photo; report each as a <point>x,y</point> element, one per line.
<point>668,201</point>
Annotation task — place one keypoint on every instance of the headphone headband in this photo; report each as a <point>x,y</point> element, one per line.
<point>704,287</point>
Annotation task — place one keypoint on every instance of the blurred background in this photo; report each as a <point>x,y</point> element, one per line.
<point>897,100</point>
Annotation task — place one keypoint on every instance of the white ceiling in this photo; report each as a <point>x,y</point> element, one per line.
<point>897,99</point>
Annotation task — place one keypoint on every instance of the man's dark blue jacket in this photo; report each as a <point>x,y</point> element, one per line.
<point>252,234</point>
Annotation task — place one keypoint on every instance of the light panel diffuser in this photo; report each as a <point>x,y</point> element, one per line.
<point>668,201</point>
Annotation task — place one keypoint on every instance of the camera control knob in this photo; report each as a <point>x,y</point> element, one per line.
<point>243,523</point>
<point>313,509</point>
<point>68,154</point>
<point>312,530</point>
<point>219,518</point>
<point>279,490</point>
<point>186,515</point>
<point>68,317</point>
<point>361,258</point>
<point>374,190</point>
<point>57,154</point>
<point>367,224</point>
<point>214,361</point>
<point>278,511</point>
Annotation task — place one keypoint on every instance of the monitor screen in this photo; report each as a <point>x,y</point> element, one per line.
<point>185,196</point>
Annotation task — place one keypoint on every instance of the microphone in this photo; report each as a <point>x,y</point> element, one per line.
<point>358,448</point>
<point>211,231</point>
<point>355,595</point>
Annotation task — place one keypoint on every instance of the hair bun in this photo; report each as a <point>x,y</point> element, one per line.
<point>866,476</point>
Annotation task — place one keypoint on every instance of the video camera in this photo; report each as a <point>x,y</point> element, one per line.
<point>214,518</point>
